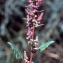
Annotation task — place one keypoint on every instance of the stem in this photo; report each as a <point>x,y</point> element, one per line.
<point>31,54</point>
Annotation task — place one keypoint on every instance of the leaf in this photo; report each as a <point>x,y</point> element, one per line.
<point>16,51</point>
<point>25,18</point>
<point>45,45</point>
<point>32,41</point>
<point>38,25</point>
<point>41,11</point>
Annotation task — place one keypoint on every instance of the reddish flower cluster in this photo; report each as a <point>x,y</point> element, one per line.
<point>33,17</point>
<point>25,58</point>
<point>33,20</point>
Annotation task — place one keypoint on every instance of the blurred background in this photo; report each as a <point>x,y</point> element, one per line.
<point>13,29</point>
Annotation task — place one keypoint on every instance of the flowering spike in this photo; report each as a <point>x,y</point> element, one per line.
<point>33,20</point>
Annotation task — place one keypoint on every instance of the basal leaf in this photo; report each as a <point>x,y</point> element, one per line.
<point>45,45</point>
<point>16,51</point>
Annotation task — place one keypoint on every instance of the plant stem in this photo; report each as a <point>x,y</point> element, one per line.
<point>31,54</point>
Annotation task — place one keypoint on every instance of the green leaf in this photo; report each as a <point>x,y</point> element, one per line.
<point>25,18</point>
<point>38,25</point>
<point>16,51</point>
<point>41,11</point>
<point>32,41</point>
<point>45,45</point>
